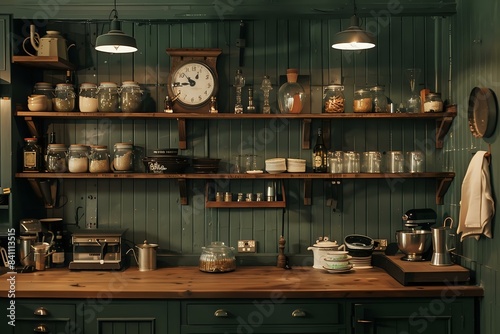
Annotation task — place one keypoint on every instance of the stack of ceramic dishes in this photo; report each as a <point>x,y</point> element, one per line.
<point>360,247</point>
<point>296,165</point>
<point>276,165</point>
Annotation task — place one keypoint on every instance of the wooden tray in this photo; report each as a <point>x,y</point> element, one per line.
<point>412,273</point>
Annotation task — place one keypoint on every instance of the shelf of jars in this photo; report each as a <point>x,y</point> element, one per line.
<point>241,200</point>
<point>44,62</point>
<point>443,120</point>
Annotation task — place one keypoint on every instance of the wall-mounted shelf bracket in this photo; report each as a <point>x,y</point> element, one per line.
<point>182,191</point>
<point>181,125</point>
<point>306,133</point>
<point>442,127</point>
<point>32,127</point>
<point>307,191</point>
<point>442,185</point>
<point>46,190</point>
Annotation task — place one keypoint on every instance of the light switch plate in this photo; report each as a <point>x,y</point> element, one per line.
<point>246,246</point>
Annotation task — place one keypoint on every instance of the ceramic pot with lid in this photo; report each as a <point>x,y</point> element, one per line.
<point>217,258</point>
<point>320,250</point>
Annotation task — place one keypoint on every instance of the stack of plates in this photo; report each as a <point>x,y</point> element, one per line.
<point>296,165</point>
<point>361,262</point>
<point>276,165</point>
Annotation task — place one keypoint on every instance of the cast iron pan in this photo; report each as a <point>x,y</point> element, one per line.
<point>482,112</point>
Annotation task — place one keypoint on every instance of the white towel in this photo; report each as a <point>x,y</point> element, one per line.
<point>476,206</point>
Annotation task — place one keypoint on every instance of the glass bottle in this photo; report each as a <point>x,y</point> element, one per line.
<point>319,154</point>
<point>123,157</point>
<point>213,105</point>
<point>251,107</point>
<point>78,159</point>
<point>130,96</point>
<point>99,159</point>
<point>58,255</point>
<point>87,100</point>
<point>239,83</point>
<point>291,95</point>
<point>64,97</point>
<point>362,101</point>
<point>32,155</point>
<point>167,105</point>
<point>56,158</point>
<point>379,100</point>
<point>333,99</point>
<point>45,88</point>
<point>266,87</point>
<point>107,96</point>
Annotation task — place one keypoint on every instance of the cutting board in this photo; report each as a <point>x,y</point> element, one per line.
<point>413,273</point>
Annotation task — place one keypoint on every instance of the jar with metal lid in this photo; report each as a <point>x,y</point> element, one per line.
<point>99,159</point>
<point>56,158</point>
<point>333,99</point>
<point>362,101</point>
<point>107,96</point>
<point>45,88</point>
<point>123,157</point>
<point>379,100</point>
<point>32,155</point>
<point>217,258</point>
<point>130,96</point>
<point>78,158</point>
<point>433,103</point>
<point>64,97</point>
<point>87,99</point>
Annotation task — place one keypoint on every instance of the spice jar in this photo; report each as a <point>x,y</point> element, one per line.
<point>64,97</point>
<point>130,96</point>
<point>362,101</point>
<point>78,160</point>
<point>56,158</point>
<point>379,100</point>
<point>99,159</point>
<point>123,157</point>
<point>433,103</point>
<point>88,97</point>
<point>217,258</point>
<point>107,97</point>
<point>32,155</point>
<point>333,99</point>
<point>45,88</point>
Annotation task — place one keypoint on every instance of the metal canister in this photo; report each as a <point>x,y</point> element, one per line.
<point>146,259</point>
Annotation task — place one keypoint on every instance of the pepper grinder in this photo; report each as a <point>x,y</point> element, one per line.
<point>281,253</point>
<point>239,83</point>
<point>251,107</point>
<point>266,87</point>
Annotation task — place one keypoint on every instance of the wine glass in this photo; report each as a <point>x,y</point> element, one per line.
<point>413,103</point>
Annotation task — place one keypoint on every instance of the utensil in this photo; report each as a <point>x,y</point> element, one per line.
<point>5,257</point>
<point>413,243</point>
<point>442,238</point>
<point>41,252</point>
<point>482,112</point>
<point>26,256</point>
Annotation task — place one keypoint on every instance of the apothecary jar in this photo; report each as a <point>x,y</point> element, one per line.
<point>87,100</point>
<point>333,99</point>
<point>99,159</point>
<point>64,97</point>
<point>123,157</point>
<point>107,96</point>
<point>78,158</point>
<point>130,96</point>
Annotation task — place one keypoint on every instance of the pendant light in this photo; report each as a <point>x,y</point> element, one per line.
<point>354,38</point>
<point>115,41</point>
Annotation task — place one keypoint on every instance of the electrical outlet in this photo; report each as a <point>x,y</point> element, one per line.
<point>246,246</point>
<point>382,244</point>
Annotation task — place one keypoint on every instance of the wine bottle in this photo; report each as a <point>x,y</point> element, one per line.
<point>319,154</point>
<point>58,256</point>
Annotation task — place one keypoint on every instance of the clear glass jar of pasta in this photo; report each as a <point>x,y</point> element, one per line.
<point>99,159</point>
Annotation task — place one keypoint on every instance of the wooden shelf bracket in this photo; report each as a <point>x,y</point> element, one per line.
<point>181,124</point>
<point>442,127</point>
<point>442,185</point>
<point>182,191</point>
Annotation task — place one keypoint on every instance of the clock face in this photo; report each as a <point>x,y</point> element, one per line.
<point>193,83</point>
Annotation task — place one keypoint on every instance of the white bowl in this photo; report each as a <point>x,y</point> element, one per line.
<point>37,106</point>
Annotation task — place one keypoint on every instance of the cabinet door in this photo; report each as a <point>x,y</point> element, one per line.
<point>5,36</point>
<point>131,317</point>
<point>430,316</point>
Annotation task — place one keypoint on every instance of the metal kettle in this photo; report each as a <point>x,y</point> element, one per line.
<point>52,44</point>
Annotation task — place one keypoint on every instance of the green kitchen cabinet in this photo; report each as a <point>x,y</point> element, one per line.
<point>108,316</point>
<point>429,315</point>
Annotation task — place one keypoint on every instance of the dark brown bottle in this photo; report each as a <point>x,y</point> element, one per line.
<point>319,154</point>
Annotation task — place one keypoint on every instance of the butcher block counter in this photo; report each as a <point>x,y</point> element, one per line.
<point>244,282</point>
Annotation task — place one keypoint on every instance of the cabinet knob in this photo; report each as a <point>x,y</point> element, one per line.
<point>41,328</point>
<point>221,313</point>
<point>298,313</point>
<point>41,311</point>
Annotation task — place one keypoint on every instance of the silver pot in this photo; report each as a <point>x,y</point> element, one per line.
<point>413,243</point>
<point>26,254</point>
<point>146,259</point>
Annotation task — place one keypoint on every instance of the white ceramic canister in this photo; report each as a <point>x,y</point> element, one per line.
<point>321,249</point>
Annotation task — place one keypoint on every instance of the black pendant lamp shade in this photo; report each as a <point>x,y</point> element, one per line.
<point>354,38</point>
<point>115,41</point>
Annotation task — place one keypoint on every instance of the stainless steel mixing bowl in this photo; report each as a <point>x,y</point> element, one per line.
<point>414,243</point>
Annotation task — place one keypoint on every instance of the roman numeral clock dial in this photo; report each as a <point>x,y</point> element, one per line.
<point>193,78</point>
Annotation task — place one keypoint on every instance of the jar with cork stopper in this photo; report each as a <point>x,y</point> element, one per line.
<point>291,95</point>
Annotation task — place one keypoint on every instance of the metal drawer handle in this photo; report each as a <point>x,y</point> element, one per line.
<point>41,328</point>
<point>221,313</point>
<point>362,321</point>
<point>41,311</point>
<point>298,313</point>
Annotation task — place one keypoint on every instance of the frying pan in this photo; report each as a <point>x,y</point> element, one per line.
<point>482,113</point>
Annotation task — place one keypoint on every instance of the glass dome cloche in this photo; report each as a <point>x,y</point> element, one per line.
<point>291,95</point>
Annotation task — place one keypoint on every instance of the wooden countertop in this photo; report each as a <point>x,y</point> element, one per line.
<point>244,282</point>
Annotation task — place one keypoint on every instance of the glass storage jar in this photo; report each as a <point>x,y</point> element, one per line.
<point>78,158</point>
<point>64,99</point>
<point>333,99</point>
<point>99,159</point>
<point>107,96</point>
<point>56,158</point>
<point>130,96</point>
<point>291,95</point>
<point>433,103</point>
<point>87,100</point>
<point>217,258</point>
<point>123,157</point>
<point>32,155</point>
<point>45,88</point>
<point>379,100</point>
<point>362,101</point>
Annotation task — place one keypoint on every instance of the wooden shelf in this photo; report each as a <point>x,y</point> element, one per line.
<point>250,205</point>
<point>44,62</point>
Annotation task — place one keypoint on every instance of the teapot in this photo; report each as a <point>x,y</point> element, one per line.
<point>52,44</point>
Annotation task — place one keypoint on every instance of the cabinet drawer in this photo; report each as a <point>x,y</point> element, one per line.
<point>263,312</point>
<point>43,310</point>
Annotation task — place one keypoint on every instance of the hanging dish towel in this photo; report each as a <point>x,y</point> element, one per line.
<point>476,205</point>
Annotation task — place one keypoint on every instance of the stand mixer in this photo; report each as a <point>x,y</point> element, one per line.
<point>415,241</point>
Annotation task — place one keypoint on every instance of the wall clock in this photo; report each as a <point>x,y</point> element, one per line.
<point>193,78</point>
